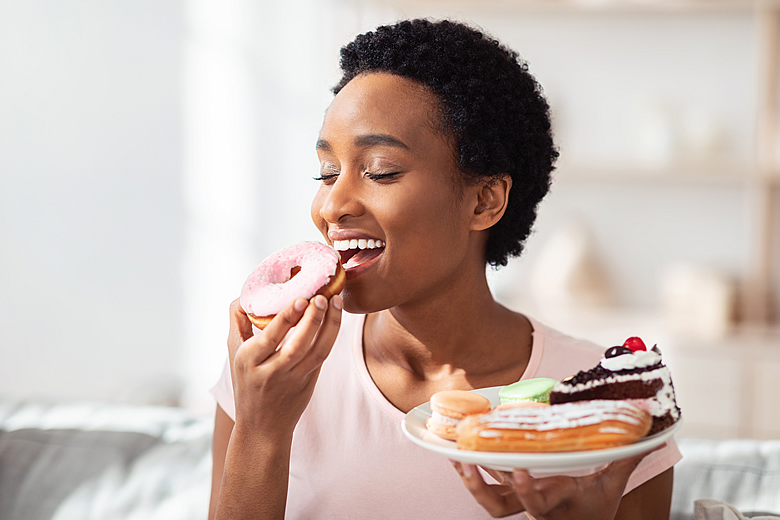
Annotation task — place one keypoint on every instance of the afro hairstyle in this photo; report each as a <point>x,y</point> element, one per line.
<point>490,104</point>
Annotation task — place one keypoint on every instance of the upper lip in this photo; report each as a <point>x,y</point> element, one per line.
<point>349,235</point>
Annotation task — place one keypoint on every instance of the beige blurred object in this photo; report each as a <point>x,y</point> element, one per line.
<point>655,132</point>
<point>697,301</point>
<point>568,273</point>
<point>704,138</point>
<point>711,509</point>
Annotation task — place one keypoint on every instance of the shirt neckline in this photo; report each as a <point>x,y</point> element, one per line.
<point>537,348</point>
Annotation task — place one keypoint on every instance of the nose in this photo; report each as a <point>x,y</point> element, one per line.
<point>340,200</point>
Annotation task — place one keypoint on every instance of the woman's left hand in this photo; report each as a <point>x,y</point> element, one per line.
<point>592,497</point>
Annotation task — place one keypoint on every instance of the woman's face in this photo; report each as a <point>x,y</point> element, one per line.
<point>389,179</point>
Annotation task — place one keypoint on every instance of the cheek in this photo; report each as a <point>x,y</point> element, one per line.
<point>316,206</point>
<point>434,222</point>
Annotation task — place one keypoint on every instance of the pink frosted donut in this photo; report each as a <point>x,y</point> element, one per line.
<point>301,271</point>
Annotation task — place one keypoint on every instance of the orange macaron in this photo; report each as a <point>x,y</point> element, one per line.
<point>449,407</point>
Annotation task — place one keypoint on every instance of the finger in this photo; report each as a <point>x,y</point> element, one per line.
<point>285,320</point>
<point>326,336</point>
<point>240,328</point>
<point>618,472</point>
<point>497,500</point>
<point>259,348</point>
<point>300,341</point>
<point>542,495</point>
<point>250,354</point>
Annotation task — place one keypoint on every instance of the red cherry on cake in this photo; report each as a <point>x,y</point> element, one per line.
<point>634,343</point>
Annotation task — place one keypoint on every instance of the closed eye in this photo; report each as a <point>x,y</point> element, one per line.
<point>325,177</point>
<point>328,172</point>
<point>330,177</point>
<point>381,176</point>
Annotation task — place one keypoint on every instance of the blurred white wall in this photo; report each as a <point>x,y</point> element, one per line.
<point>151,153</point>
<point>91,213</point>
<point>256,84</point>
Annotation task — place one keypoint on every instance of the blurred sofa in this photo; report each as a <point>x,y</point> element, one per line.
<point>109,462</point>
<point>84,461</point>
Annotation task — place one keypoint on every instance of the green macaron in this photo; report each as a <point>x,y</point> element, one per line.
<point>537,390</point>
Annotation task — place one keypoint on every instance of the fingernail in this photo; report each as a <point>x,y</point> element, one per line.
<point>468,469</point>
<point>320,302</point>
<point>300,304</point>
<point>337,302</point>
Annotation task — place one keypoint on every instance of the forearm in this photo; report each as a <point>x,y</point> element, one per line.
<point>254,481</point>
<point>272,385</point>
<point>652,500</point>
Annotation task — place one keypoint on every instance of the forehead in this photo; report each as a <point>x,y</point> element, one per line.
<point>383,103</point>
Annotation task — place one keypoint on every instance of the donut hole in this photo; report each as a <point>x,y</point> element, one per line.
<point>281,278</point>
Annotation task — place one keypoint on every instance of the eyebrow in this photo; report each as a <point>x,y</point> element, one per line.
<point>379,140</point>
<point>368,140</point>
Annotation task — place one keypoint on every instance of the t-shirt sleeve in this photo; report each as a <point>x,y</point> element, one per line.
<point>223,392</point>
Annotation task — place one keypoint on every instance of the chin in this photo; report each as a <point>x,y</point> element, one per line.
<point>358,300</point>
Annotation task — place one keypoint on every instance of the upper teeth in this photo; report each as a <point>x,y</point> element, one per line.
<point>343,245</point>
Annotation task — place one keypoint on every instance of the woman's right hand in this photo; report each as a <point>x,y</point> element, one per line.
<point>272,384</point>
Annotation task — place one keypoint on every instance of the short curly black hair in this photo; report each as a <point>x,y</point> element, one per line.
<point>492,106</point>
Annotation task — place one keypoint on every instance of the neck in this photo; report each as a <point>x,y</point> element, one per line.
<point>462,330</point>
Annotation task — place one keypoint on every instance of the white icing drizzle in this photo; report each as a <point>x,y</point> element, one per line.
<point>612,429</point>
<point>639,359</point>
<point>560,416</point>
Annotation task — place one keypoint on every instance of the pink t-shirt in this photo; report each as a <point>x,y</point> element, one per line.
<point>350,458</point>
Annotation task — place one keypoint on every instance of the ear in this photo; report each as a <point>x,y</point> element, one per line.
<point>491,202</point>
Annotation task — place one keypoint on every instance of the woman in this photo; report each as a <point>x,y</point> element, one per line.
<point>438,143</point>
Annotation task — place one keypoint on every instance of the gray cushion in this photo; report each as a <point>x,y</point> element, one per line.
<point>87,461</point>
<point>40,468</point>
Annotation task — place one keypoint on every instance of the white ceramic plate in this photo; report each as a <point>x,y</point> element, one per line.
<point>413,426</point>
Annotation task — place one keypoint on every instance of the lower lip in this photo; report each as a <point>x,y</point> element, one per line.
<point>357,270</point>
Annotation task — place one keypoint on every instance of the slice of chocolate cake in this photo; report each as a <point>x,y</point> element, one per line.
<point>626,372</point>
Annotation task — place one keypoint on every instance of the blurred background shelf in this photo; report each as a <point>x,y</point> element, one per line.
<point>599,6</point>
<point>688,174</point>
<point>586,7</point>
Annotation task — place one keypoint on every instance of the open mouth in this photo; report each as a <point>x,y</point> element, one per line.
<point>358,252</point>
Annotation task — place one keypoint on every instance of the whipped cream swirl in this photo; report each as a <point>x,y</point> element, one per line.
<point>638,359</point>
